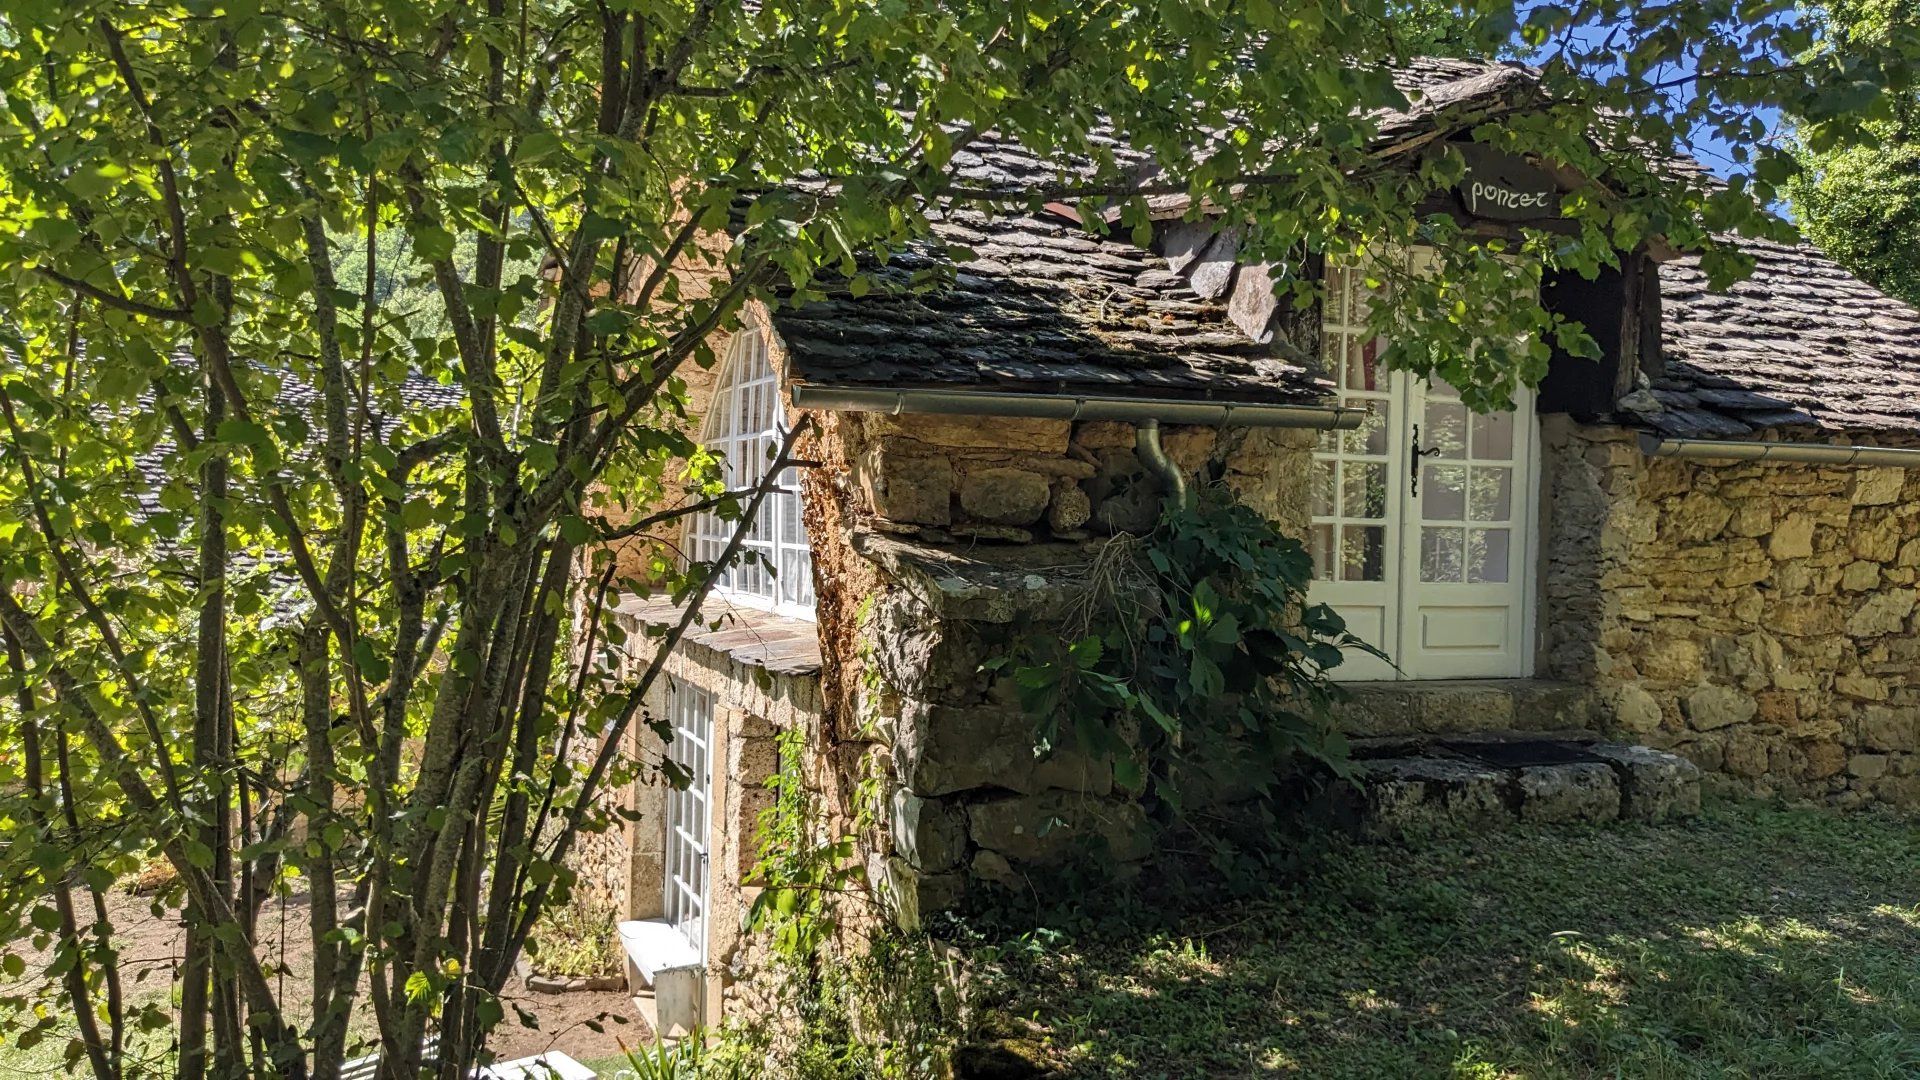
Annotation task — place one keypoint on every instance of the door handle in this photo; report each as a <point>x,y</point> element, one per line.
<point>1416,453</point>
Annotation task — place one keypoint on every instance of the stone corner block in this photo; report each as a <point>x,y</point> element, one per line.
<point>1051,827</point>
<point>943,749</point>
<point>915,488</point>
<point>1579,791</point>
<point>1005,496</point>
<point>1654,785</point>
<point>909,895</point>
<point>930,834</point>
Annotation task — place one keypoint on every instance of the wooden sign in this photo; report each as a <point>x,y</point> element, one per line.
<point>1502,187</point>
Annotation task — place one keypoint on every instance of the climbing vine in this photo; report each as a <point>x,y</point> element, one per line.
<point>863,999</point>
<point>1191,657</point>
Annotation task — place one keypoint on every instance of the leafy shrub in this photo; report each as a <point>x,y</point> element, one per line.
<point>575,940</point>
<point>1192,658</point>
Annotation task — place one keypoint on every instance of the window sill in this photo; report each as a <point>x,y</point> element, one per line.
<point>780,644</point>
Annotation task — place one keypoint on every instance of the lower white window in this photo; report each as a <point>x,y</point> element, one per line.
<point>689,815</point>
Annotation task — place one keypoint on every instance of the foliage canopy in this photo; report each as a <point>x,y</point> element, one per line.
<point>1858,198</point>
<point>288,561</point>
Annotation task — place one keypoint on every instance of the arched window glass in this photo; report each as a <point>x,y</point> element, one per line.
<point>745,423</point>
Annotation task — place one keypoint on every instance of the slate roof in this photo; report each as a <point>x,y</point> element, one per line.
<point>1047,308</point>
<point>1044,307</point>
<point>1800,343</point>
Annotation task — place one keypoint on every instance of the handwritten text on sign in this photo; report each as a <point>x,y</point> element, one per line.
<point>1505,187</point>
<point>1483,196</point>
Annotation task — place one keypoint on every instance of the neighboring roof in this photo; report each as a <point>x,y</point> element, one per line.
<point>1043,307</point>
<point>292,395</point>
<point>1799,343</point>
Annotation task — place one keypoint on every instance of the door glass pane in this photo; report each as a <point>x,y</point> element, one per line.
<point>1323,561</point>
<point>1442,553</point>
<point>1363,553</point>
<point>1363,364</point>
<point>1493,436</point>
<point>1321,483</point>
<point>1363,489</point>
<point>1487,554</point>
<point>1445,432</point>
<point>1443,492</point>
<point>1490,493</point>
<point>1371,436</point>
<point>1337,297</point>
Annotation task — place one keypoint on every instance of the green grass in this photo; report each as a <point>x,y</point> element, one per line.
<point>1753,942</point>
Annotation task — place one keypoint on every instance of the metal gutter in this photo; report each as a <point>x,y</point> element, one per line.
<point>1074,407</point>
<point>1754,450</point>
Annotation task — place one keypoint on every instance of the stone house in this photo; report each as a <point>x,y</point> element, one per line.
<point>1707,543</point>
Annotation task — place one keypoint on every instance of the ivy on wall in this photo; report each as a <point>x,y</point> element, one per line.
<point>1191,658</point>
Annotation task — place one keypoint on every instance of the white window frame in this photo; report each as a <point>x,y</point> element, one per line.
<point>745,423</point>
<point>687,889</point>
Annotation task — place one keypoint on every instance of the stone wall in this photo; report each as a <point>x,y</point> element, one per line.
<point>969,800</point>
<point>762,673</point>
<point>964,533</point>
<point>1757,618</point>
<point>1010,480</point>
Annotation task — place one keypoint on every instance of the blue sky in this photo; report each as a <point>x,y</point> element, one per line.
<point>1713,151</point>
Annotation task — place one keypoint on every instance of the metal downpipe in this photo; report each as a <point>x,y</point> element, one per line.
<point>1146,443</point>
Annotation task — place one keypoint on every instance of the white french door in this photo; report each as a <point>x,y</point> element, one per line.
<point>1422,518</point>
<point>688,816</point>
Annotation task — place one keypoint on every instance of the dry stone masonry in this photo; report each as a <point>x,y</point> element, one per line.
<point>1757,618</point>
<point>1010,480</point>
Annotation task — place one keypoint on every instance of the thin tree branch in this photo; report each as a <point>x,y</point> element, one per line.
<point>114,300</point>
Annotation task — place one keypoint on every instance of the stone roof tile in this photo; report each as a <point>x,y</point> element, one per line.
<point>1049,309</point>
<point>1800,343</point>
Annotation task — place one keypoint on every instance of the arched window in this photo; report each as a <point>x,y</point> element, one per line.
<point>745,423</point>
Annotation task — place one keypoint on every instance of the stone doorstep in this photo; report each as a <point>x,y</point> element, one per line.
<point>1395,795</point>
<point>1388,746</point>
<point>1411,708</point>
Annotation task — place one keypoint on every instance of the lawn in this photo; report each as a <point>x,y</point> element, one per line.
<point>1753,942</point>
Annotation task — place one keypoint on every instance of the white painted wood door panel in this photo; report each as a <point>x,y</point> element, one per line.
<point>1422,518</point>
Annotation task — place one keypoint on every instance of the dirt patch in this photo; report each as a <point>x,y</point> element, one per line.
<point>152,941</point>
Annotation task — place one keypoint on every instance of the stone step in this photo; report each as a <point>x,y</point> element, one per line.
<point>1506,777</point>
<point>1457,706</point>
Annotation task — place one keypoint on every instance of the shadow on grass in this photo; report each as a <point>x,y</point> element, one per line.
<point>1753,942</point>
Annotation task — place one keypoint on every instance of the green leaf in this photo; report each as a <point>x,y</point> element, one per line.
<point>372,665</point>
<point>431,243</point>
